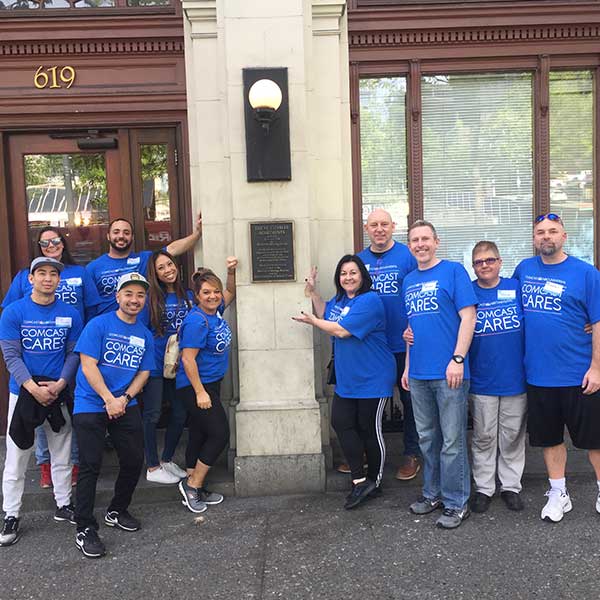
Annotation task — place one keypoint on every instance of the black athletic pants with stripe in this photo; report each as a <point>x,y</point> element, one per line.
<point>357,423</point>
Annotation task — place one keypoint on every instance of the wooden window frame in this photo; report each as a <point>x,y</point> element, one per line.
<point>380,46</point>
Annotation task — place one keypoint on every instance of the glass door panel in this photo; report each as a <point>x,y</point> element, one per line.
<point>69,192</point>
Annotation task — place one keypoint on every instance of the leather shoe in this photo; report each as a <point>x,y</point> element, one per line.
<point>512,500</point>
<point>480,503</point>
<point>408,469</point>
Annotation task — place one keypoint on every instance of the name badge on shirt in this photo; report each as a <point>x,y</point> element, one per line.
<point>63,321</point>
<point>507,294</point>
<point>556,289</point>
<point>134,340</point>
<point>133,261</point>
<point>73,281</point>
<point>428,286</point>
<point>367,266</point>
<point>345,311</point>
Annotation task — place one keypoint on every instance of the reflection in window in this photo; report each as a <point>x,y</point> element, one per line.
<point>148,2</point>
<point>571,158</point>
<point>383,149</point>
<point>155,195</point>
<point>68,191</point>
<point>477,163</point>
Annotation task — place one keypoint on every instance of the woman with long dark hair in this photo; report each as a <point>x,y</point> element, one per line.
<point>169,303</point>
<point>75,288</point>
<point>365,371</point>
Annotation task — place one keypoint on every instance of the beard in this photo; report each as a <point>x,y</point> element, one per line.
<point>119,248</point>
<point>549,249</point>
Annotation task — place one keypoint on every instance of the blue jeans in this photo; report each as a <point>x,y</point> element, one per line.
<point>411,437</point>
<point>155,390</point>
<point>441,419</point>
<point>42,454</point>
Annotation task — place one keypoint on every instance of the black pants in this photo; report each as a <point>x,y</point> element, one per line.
<point>357,423</point>
<point>127,435</point>
<point>208,427</point>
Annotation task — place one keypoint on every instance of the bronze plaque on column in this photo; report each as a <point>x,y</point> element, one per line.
<point>272,247</point>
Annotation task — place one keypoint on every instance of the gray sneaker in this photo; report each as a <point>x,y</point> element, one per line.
<point>209,497</point>
<point>192,497</point>
<point>424,505</point>
<point>452,517</point>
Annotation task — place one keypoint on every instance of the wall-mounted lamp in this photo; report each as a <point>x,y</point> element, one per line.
<point>265,98</point>
<point>266,111</point>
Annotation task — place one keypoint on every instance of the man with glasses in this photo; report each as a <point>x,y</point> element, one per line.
<point>497,392</point>
<point>560,294</point>
<point>388,262</point>
<point>440,304</point>
<point>120,260</point>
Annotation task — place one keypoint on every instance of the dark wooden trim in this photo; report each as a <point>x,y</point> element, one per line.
<point>414,124</point>
<point>356,158</point>
<point>541,145</point>
<point>125,206</point>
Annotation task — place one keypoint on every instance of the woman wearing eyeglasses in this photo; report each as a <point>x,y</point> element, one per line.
<point>75,288</point>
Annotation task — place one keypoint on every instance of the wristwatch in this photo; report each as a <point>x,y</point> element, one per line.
<point>129,398</point>
<point>457,358</point>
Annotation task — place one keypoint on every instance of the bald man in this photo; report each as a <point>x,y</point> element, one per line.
<point>388,262</point>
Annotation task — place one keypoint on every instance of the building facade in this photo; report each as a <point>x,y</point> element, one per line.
<point>474,115</point>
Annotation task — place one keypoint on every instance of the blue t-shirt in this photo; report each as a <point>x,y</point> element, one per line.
<point>211,334</point>
<point>387,270</point>
<point>76,288</point>
<point>432,299</point>
<point>44,332</point>
<point>497,352</point>
<point>364,364</point>
<point>105,273</point>
<point>121,349</point>
<point>175,312</point>
<point>558,300</point>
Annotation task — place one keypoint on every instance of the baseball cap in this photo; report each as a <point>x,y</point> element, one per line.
<point>130,278</point>
<point>45,261</point>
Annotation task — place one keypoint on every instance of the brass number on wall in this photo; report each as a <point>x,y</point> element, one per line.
<point>53,77</point>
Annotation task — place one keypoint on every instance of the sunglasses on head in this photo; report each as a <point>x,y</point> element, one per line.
<point>485,261</point>
<point>549,216</point>
<point>54,241</point>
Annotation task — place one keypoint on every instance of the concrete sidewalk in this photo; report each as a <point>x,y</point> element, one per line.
<point>308,547</point>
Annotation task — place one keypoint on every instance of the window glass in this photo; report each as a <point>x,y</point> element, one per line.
<point>155,195</point>
<point>68,191</point>
<point>383,149</point>
<point>572,157</point>
<point>477,163</point>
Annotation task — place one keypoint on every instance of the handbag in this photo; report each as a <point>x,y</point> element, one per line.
<point>171,361</point>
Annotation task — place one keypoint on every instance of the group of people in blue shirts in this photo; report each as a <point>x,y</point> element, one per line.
<point>521,352</point>
<point>106,328</point>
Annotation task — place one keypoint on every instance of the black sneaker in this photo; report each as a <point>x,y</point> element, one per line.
<point>359,493</point>
<point>376,493</point>
<point>512,500</point>
<point>122,519</point>
<point>480,502</point>
<point>10,531</point>
<point>65,513</point>
<point>209,497</point>
<point>89,543</point>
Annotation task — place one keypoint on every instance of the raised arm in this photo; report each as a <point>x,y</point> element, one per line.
<point>182,245</point>
<point>229,291</point>
<point>310,291</point>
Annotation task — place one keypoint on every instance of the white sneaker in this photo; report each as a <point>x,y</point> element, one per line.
<point>174,469</point>
<point>558,504</point>
<point>161,475</point>
<point>598,503</point>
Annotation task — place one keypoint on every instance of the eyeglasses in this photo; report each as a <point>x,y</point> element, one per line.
<point>485,261</point>
<point>550,216</point>
<point>54,241</point>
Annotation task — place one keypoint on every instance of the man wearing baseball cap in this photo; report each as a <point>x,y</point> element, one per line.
<point>37,337</point>
<point>117,354</point>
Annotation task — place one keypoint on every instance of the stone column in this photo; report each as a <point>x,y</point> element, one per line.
<point>278,421</point>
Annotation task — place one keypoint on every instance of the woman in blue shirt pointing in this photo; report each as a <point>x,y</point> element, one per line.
<point>365,372</point>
